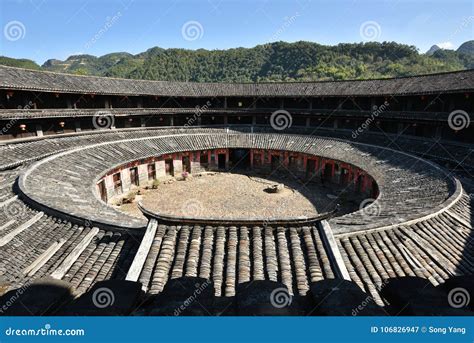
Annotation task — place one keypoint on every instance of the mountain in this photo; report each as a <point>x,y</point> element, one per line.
<point>19,63</point>
<point>279,61</point>
<point>87,64</point>
<point>432,50</point>
<point>466,48</point>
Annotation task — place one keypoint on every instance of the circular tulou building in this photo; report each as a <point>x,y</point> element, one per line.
<point>122,196</point>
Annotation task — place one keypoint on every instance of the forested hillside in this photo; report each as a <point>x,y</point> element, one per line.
<point>280,61</point>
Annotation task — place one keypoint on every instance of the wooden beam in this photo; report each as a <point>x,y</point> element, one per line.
<point>142,253</point>
<point>74,255</point>
<point>333,251</point>
<point>8,237</point>
<point>43,258</point>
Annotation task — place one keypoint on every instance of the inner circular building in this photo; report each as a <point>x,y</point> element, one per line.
<point>330,192</point>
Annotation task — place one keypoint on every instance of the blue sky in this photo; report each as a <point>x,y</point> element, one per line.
<point>43,29</point>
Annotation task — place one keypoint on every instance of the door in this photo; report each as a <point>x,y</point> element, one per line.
<point>221,161</point>
<point>134,176</point>
<point>327,172</point>
<point>186,164</point>
<point>102,191</point>
<point>275,161</point>
<point>151,171</point>
<point>292,163</point>
<point>239,158</point>
<point>344,178</point>
<point>169,166</point>
<point>204,159</point>
<point>117,183</point>
<point>360,181</point>
<point>310,168</point>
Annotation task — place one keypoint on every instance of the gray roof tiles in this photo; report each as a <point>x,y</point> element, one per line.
<point>25,79</point>
<point>423,188</point>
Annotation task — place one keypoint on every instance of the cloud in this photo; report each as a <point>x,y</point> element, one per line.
<point>445,45</point>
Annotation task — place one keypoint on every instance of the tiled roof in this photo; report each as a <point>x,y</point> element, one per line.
<point>239,265</point>
<point>411,188</point>
<point>17,78</point>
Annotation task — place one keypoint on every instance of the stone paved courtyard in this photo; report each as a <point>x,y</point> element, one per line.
<point>228,195</point>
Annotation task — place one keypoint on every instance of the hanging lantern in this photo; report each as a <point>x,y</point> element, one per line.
<point>62,124</point>
<point>213,117</point>
<point>130,119</point>
<point>56,95</point>
<point>22,127</point>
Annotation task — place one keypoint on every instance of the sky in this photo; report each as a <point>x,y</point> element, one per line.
<point>44,29</point>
